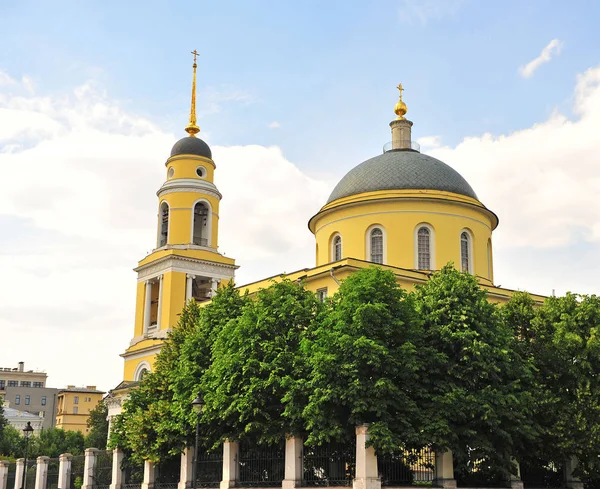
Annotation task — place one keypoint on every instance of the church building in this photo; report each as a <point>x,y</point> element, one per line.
<point>402,210</point>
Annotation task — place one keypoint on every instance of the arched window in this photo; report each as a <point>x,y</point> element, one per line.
<point>141,370</point>
<point>337,248</point>
<point>200,232</point>
<point>424,248</point>
<point>164,224</point>
<point>376,245</point>
<point>466,260</point>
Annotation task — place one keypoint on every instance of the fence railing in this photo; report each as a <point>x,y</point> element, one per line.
<point>209,469</point>
<point>53,471</point>
<point>30,471</point>
<point>12,473</point>
<point>407,467</point>
<point>167,474</point>
<point>333,464</point>
<point>103,470</point>
<point>541,473</point>
<point>77,471</point>
<point>261,466</point>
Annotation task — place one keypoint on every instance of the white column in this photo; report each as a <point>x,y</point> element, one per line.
<point>366,476</point>
<point>20,468</point>
<point>188,286</point>
<point>160,302</point>
<point>293,463</point>
<point>444,470</point>
<point>41,472</point>
<point>116,481</point>
<point>231,468</point>
<point>89,467</point>
<point>147,306</point>
<point>64,471</point>
<point>515,479</point>
<point>571,481</point>
<point>3,474</point>
<point>213,287</point>
<point>149,475</point>
<point>186,471</point>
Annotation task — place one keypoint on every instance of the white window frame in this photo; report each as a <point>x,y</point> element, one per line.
<point>471,263</point>
<point>431,245</point>
<point>158,245</point>
<point>208,222</point>
<point>321,294</point>
<point>139,369</point>
<point>368,243</point>
<point>332,255</point>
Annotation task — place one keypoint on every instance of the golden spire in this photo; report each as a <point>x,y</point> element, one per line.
<point>192,129</point>
<point>400,108</point>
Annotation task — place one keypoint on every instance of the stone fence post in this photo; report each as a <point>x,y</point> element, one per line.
<point>571,481</point>
<point>444,470</point>
<point>64,471</point>
<point>116,481</point>
<point>89,467</point>
<point>367,476</point>
<point>293,462</point>
<point>515,479</point>
<point>4,474</point>
<point>19,471</point>
<point>186,472</point>
<point>41,472</point>
<point>231,468</point>
<point>149,475</point>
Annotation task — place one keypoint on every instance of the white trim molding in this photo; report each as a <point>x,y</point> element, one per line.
<point>194,185</point>
<point>140,368</point>
<point>332,253</point>
<point>174,263</point>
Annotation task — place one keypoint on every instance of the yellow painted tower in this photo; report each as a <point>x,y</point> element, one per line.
<point>185,264</point>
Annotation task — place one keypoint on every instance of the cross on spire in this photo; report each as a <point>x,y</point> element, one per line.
<point>401,88</point>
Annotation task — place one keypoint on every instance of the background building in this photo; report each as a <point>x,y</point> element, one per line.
<point>74,406</point>
<point>25,390</point>
<point>18,419</point>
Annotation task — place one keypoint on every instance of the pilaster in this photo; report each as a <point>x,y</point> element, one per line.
<point>3,474</point>
<point>186,476</point>
<point>19,471</point>
<point>366,462</point>
<point>41,472</point>
<point>444,470</point>
<point>231,468</point>
<point>293,463</point>
<point>149,475</point>
<point>571,481</point>
<point>64,470</point>
<point>117,471</point>
<point>91,456</point>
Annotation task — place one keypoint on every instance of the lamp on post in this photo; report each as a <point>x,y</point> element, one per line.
<point>26,431</point>
<point>197,406</point>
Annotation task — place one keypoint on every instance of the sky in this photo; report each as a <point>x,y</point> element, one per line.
<point>291,96</point>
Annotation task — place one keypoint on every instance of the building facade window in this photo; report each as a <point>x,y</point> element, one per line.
<point>465,252</point>
<point>336,254</point>
<point>377,246</point>
<point>424,248</point>
<point>17,400</point>
<point>322,294</point>
<point>163,234</point>
<point>43,401</point>
<point>2,384</point>
<point>75,410</point>
<point>27,400</point>
<point>38,384</point>
<point>13,383</point>
<point>76,400</point>
<point>25,383</point>
<point>200,225</point>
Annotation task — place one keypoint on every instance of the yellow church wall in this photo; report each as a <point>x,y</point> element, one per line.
<point>132,364</point>
<point>140,296</point>
<point>174,284</point>
<point>185,166</point>
<point>399,219</point>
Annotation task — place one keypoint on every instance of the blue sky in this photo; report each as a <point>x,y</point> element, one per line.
<point>291,96</point>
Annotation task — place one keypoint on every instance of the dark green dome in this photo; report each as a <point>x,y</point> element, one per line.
<point>401,169</point>
<point>191,146</point>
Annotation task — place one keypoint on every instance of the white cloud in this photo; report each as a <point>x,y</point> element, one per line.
<point>273,125</point>
<point>429,142</point>
<point>78,210</point>
<point>552,48</point>
<point>425,10</point>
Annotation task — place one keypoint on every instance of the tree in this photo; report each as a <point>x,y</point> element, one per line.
<point>475,397</point>
<point>12,442</point>
<point>98,426</point>
<point>364,366</point>
<point>250,386</point>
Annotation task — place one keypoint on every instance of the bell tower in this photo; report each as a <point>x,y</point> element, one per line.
<point>185,263</point>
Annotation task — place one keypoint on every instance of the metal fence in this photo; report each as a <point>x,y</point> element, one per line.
<point>53,471</point>
<point>103,470</point>
<point>407,467</point>
<point>261,466</point>
<point>77,469</point>
<point>209,469</point>
<point>167,473</point>
<point>12,472</point>
<point>333,464</point>
<point>541,474</point>
<point>472,469</point>
<point>30,470</point>
<point>133,473</point>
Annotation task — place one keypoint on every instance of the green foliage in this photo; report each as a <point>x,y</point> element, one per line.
<point>98,426</point>
<point>252,387</point>
<point>12,442</point>
<point>474,397</point>
<point>364,366</point>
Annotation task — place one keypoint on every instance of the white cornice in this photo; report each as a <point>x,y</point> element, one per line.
<point>185,265</point>
<point>189,185</point>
